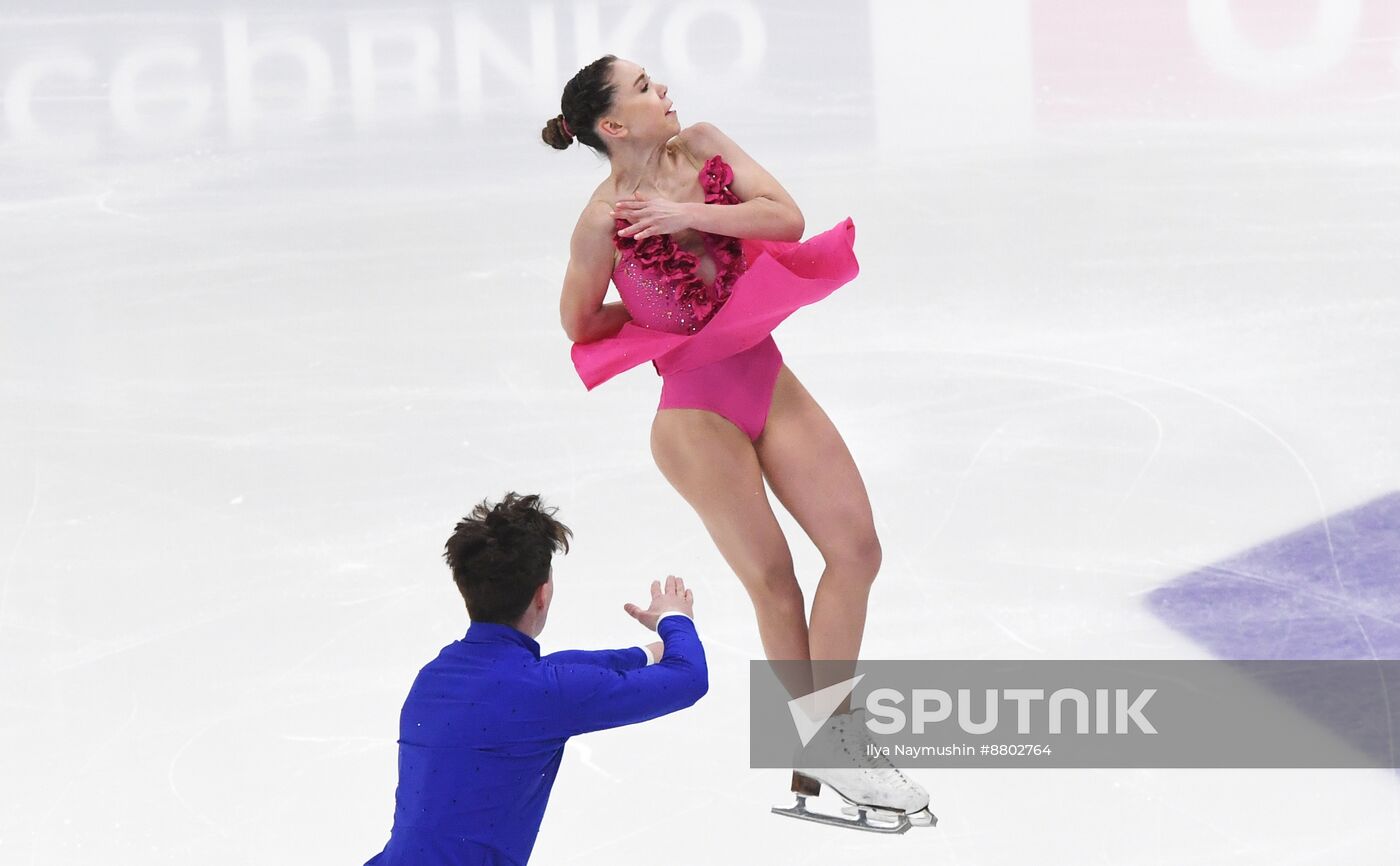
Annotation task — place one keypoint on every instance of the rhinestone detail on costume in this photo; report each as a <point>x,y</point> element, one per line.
<point>659,280</point>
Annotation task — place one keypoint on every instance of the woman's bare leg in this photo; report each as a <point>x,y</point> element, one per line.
<point>814,476</point>
<point>712,464</point>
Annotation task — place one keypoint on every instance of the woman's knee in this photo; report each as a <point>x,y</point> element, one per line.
<point>856,557</point>
<point>774,586</point>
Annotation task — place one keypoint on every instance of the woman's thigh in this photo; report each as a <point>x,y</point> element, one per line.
<point>714,467</point>
<point>814,475</point>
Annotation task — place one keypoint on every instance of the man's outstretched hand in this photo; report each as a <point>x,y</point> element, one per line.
<point>674,596</point>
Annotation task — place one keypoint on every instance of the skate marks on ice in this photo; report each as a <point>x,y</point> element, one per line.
<point>1148,473</point>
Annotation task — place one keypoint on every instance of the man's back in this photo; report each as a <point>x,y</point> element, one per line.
<point>483,730</point>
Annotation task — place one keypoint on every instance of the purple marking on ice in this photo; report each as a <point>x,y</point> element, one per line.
<point>1297,598</point>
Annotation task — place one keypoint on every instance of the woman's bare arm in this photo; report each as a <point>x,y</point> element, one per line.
<point>766,212</point>
<point>581,309</point>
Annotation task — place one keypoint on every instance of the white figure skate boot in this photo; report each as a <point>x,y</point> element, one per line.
<point>879,796</point>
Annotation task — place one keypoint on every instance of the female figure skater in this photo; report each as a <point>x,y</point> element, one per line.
<point>703,246</point>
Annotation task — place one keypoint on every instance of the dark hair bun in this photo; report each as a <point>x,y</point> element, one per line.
<point>555,133</point>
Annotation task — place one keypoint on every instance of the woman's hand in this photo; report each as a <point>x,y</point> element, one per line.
<point>652,216</point>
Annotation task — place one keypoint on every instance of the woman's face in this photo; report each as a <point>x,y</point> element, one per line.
<point>641,104</point>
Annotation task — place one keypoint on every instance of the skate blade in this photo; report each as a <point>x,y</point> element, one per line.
<point>921,818</point>
<point>861,822</point>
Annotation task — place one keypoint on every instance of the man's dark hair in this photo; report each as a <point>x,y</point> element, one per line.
<point>500,554</point>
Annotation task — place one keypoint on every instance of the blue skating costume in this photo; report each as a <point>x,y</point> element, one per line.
<point>483,729</point>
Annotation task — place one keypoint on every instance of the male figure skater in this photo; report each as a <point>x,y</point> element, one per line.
<point>484,725</point>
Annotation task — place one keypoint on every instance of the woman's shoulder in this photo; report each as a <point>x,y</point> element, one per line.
<point>703,141</point>
<point>596,228</point>
<point>597,223</point>
<point>597,212</point>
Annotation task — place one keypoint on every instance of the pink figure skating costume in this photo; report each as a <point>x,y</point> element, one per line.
<point>712,344</point>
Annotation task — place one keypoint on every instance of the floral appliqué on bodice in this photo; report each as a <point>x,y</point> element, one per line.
<point>659,280</point>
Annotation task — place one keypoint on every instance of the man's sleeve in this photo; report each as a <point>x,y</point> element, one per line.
<point>591,698</point>
<point>618,659</point>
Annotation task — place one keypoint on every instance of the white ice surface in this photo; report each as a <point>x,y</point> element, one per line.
<point>251,373</point>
